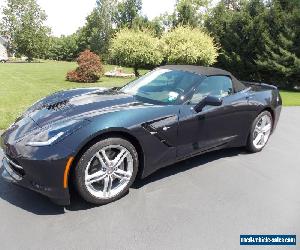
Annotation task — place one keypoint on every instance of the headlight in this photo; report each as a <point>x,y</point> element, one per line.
<point>54,133</point>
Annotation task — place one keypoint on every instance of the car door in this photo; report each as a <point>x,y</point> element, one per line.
<point>213,127</point>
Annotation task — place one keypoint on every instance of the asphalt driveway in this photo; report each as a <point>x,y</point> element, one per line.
<point>202,203</point>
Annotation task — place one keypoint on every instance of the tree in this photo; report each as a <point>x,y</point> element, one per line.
<point>23,23</point>
<point>126,12</point>
<point>189,12</point>
<point>143,23</point>
<point>64,48</point>
<point>98,30</point>
<point>240,35</point>
<point>185,45</point>
<point>108,14</point>
<point>232,4</point>
<point>166,21</point>
<point>279,59</point>
<point>186,13</point>
<point>294,22</point>
<point>259,40</point>
<point>135,48</point>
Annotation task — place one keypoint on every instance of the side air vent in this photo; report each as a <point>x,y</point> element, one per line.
<point>160,126</point>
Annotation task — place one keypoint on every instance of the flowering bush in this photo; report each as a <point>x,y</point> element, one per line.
<point>89,68</point>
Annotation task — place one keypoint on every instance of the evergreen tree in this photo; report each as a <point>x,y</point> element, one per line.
<point>279,62</point>
<point>259,40</point>
<point>239,34</point>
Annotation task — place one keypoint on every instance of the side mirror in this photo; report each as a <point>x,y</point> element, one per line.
<point>208,101</point>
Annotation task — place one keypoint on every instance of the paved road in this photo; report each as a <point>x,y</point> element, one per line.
<point>202,203</point>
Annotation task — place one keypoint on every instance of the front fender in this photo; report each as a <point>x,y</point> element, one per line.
<point>128,122</point>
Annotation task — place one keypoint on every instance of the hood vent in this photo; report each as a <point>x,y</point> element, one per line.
<point>57,106</point>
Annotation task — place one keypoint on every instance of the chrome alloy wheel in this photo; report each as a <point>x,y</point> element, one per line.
<point>262,131</point>
<point>109,171</point>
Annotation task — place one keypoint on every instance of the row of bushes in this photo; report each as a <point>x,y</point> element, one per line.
<point>183,45</point>
<point>141,49</point>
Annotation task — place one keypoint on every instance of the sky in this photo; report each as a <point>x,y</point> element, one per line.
<point>66,16</point>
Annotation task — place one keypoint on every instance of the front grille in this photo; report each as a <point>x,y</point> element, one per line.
<point>15,167</point>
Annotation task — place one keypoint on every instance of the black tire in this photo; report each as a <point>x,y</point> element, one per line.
<point>250,145</point>
<point>79,175</point>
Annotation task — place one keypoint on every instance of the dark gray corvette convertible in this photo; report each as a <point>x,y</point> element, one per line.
<point>101,139</point>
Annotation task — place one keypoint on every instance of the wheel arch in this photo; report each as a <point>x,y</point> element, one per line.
<point>272,112</point>
<point>115,133</point>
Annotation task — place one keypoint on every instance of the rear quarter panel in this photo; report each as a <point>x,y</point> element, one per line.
<point>265,97</point>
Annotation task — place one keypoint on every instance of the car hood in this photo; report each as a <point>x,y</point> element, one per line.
<point>71,104</point>
<point>77,103</point>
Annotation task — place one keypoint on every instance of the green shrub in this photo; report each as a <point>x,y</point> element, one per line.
<point>64,48</point>
<point>89,70</point>
<point>135,48</point>
<point>185,45</point>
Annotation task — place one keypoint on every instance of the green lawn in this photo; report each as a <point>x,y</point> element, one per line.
<point>290,98</point>
<point>21,84</point>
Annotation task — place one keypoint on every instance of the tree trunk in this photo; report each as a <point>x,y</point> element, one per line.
<point>29,59</point>
<point>136,71</point>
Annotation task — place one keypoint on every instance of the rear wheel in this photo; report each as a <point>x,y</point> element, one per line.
<point>260,132</point>
<point>106,170</point>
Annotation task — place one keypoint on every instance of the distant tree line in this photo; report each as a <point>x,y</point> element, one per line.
<point>258,40</point>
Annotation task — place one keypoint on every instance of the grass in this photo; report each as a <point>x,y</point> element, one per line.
<point>290,98</point>
<point>22,84</point>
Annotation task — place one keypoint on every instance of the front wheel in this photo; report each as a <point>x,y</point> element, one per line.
<point>260,132</point>
<point>106,170</point>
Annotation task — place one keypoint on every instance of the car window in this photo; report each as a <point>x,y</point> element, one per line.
<point>217,86</point>
<point>162,86</point>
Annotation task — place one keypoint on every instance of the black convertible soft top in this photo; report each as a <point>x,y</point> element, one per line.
<point>207,71</point>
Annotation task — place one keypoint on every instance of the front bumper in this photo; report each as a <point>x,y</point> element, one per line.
<point>36,175</point>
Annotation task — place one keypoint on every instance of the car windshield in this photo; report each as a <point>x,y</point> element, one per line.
<point>163,86</point>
